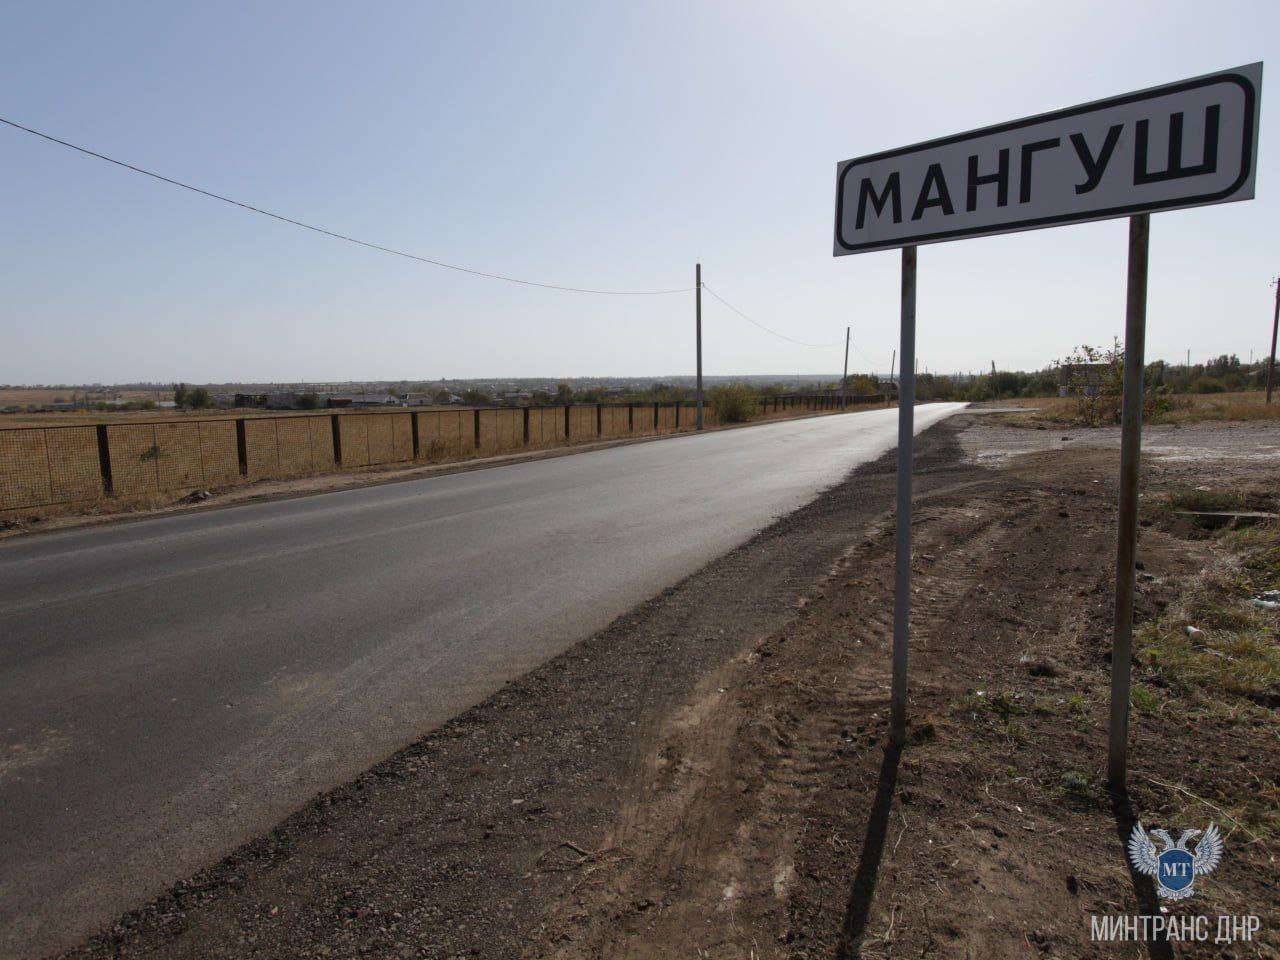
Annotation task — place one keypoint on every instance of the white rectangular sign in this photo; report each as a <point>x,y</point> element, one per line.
<point>1181,145</point>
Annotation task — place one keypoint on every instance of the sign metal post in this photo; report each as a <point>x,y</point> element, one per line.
<point>906,445</point>
<point>1135,331</point>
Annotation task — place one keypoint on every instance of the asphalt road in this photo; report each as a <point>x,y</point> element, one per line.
<point>171,687</point>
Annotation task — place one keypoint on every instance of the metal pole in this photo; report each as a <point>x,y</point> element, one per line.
<point>1275,323</point>
<point>697,283</point>
<point>1135,325</point>
<point>844,379</point>
<point>906,442</point>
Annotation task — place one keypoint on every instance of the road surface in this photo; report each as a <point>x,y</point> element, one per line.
<point>171,687</point>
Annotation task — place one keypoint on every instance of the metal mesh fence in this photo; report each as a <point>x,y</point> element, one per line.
<point>42,466</point>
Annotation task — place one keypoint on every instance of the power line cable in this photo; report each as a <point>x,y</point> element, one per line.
<point>331,233</point>
<point>781,336</point>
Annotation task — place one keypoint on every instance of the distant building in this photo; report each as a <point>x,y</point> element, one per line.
<point>363,400</point>
<point>417,400</point>
<point>281,400</point>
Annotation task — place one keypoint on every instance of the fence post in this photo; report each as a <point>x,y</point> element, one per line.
<point>677,427</point>
<point>104,459</point>
<point>526,426</point>
<point>413,421</point>
<point>242,448</point>
<point>337,439</point>
<point>655,418</point>
<point>476,429</point>
<point>599,419</point>
<point>566,421</point>
<point>631,417</point>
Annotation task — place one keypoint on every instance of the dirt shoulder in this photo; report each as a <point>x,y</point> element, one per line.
<point>708,776</point>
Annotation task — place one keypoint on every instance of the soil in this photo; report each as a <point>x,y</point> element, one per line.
<point>709,777</point>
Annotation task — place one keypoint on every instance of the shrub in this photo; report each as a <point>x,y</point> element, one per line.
<point>735,403</point>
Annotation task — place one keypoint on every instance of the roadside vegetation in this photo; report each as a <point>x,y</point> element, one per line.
<point>1213,658</point>
<point>736,403</point>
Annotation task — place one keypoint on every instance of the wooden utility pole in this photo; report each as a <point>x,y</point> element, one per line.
<point>845,377</point>
<point>697,283</point>
<point>1275,322</point>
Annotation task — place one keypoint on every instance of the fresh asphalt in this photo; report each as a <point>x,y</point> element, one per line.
<point>174,686</point>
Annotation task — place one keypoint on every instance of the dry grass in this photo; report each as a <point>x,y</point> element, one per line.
<point>1228,670</point>
<point>1187,408</point>
<point>90,417</point>
<point>1221,406</point>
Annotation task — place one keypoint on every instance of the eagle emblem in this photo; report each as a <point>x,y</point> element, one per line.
<point>1175,868</point>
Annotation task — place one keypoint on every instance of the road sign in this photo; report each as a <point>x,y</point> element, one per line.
<point>1181,145</point>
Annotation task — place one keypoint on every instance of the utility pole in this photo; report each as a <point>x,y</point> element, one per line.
<point>844,379</point>
<point>1275,322</point>
<point>697,283</point>
<point>994,394</point>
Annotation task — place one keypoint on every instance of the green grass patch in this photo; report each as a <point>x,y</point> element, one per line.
<point>1078,704</point>
<point>1196,499</point>
<point>1143,700</point>
<point>1236,652</point>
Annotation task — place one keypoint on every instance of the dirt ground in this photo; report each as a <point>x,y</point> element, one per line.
<point>709,777</point>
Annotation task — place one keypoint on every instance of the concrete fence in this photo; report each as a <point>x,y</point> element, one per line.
<point>45,466</point>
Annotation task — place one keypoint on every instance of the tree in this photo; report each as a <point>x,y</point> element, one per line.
<point>198,398</point>
<point>734,403</point>
<point>309,400</point>
<point>861,385</point>
<point>1095,375</point>
<point>180,394</point>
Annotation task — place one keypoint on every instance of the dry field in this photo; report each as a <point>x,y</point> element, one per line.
<point>77,418</point>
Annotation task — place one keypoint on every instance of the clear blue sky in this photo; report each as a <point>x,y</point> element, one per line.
<point>589,144</point>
